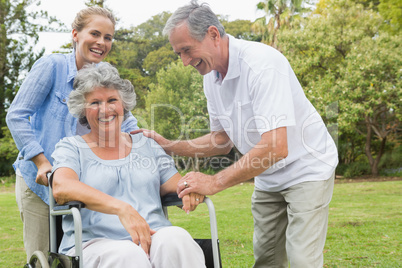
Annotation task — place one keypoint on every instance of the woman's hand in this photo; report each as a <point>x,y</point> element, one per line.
<point>191,201</point>
<point>136,226</point>
<point>44,167</point>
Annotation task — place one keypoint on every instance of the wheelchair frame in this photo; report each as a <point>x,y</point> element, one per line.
<point>73,208</point>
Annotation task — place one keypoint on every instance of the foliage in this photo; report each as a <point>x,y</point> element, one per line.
<point>176,105</point>
<point>372,83</point>
<point>132,46</point>
<point>18,35</point>
<point>350,147</point>
<point>280,14</point>
<point>357,169</point>
<point>391,11</point>
<point>8,152</point>
<point>139,52</point>
<point>99,3</point>
<point>391,161</point>
<point>159,59</point>
<point>340,56</point>
<point>241,29</point>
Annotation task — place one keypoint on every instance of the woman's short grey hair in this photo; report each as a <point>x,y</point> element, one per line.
<point>199,17</point>
<point>92,76</point>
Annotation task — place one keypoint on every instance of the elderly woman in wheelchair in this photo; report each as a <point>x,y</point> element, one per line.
<point>120,177</point>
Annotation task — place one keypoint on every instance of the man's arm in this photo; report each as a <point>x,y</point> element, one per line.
<point>214,143</point>
<point>272,148</point>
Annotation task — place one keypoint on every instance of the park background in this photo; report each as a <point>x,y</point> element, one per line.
<point>346,54</point>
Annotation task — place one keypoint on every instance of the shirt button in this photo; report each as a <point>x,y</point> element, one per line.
<point>64,100</point>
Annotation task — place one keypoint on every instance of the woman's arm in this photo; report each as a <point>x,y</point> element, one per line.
<point>190,202</point>
<point>31,96</point>
<point>68,187</point>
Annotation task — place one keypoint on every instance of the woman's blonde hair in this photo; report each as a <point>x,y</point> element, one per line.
<point>83,17</point>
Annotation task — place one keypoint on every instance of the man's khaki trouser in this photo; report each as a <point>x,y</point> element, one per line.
<point>291,225</point>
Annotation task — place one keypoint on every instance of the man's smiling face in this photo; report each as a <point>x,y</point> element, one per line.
<point>192,52</point>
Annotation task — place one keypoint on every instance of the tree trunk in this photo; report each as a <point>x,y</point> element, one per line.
<point>374,162</point>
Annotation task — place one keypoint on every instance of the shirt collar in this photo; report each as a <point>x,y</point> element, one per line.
<point>233,66</point>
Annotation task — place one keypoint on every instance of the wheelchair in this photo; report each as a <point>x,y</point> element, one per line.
<point>54,259</point>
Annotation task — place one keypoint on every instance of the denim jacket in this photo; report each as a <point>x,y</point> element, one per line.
<point>38,118</point>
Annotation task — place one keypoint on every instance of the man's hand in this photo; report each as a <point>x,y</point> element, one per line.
<point>197,182</point>
<point>164,143</point>
<point>151,134</point>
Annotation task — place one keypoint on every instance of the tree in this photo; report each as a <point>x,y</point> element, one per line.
<point>372,79</point>
<point>99,3</point>
<point>8,152</point>
<point>175,100</point>
<point>176,105</point>
<point>18,35</point>
<point>158,59</point>
<point>391,11</point>
<point>132,46</point>
<point>340,56</point>
<point>280,14</point>
<point>241,29</point>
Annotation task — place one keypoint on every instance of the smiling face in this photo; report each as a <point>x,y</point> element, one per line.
<point>94,41</point>
<point>104,111</point>
<point>200,55</point>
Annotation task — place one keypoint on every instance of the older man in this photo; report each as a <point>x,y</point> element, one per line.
<point>256,103</point>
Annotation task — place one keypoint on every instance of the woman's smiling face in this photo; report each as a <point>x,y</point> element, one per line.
<point>94,41</point>
<point>104,111</point>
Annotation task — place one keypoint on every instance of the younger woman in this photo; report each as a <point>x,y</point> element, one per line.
<point>38,118</point>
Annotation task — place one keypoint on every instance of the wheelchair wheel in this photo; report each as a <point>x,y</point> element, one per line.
<point>38,260</point>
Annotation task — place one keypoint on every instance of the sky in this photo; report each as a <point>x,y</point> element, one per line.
<point>133,13</point>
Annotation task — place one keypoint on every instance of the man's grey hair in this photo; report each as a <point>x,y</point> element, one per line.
<point>92,76</point>
<point>199,17</point>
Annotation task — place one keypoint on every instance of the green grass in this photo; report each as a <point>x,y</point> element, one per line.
<point>12,253</point>
<point>364,226</point>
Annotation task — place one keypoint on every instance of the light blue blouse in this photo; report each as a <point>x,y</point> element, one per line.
<point>135,179</point>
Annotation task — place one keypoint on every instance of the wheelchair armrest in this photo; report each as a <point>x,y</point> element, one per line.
<point>69,205</point>
<point>171,200</point>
